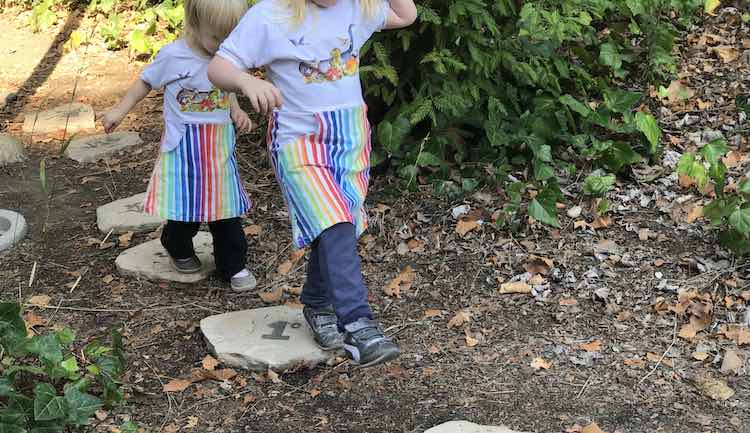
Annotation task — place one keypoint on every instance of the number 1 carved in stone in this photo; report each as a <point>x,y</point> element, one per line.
<point>278,330</point>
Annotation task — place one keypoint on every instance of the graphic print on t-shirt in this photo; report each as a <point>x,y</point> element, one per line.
<point>194,101</point>
<point>339,65</point>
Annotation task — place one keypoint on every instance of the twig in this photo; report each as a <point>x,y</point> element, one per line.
<point>584,387</point>
<point>101,245</point>
<point>674,340</point>
<point>121,310</point>
<point>33,274</point>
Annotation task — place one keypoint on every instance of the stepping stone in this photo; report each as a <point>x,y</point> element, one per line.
<point>151,262</point>
<point>126,215</point>
<point>12,228</point>
<point>275,337</point>
<point>76,116</point>
<point>11,150</point>
<point>96,147</point>
<point>468,427</point>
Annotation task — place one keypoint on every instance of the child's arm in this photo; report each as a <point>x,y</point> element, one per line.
<point>402,13</point>
<point>241,120</point>
<point>112,118</point>
<point>225,75</point>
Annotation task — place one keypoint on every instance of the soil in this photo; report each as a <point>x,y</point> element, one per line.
<point>522,360</point>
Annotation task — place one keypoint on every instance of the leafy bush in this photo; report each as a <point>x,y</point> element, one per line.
<point>494,84</point>
<point>44,386</point>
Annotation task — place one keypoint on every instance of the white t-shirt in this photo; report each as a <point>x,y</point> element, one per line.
<point>189,97</point>
<point>315,65</point>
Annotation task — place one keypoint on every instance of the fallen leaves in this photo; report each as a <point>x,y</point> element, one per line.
<point>592,428</point>
<point>466,225</point>
<point>273,296</point>
<point>515,287</point>
<point>430,313</point>
<point>732,362</point>
<point>125,239</point>
<point>715,389</point>
<point>294,257</point>
<point>402,281</point>
<point>593,346</point>
<point>737,333</point>
<point>470,341</point>
<point>727,54</point>
<point>540,363</point>
<point>459,319</point>
<point>538,265</point>
<point>40,301</point>
<point>176,385</point>
<point>209,363</point>
<point>253,230</point>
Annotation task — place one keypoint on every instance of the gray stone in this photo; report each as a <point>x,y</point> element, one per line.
<point>6,97</point>
<point>468,427</point>
<point>12,228</point>
<point>11,150</point>
<point>72,117</point>
<point>96,147</point>
<point>275,337</point>
<point>126,215</point>
<point>151,262</point>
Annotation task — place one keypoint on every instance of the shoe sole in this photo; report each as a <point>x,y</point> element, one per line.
<point>186,271</point>
<point>379,360</point>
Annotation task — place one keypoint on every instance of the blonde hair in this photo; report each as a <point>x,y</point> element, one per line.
<point>298,9</point>
<point>219,16</point>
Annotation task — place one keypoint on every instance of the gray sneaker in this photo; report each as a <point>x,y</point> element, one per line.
<point>244,283</point>
<point>367,345</point>
<point>190,265</point>
<point>325,328</point>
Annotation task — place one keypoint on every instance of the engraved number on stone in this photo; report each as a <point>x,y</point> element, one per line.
<point>278,331</point>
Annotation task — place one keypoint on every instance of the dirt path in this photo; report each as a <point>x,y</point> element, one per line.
<point>594,342</point>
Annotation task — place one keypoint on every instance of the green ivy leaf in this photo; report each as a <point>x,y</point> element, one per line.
<point>82,406</point>
<point>714,150</point>
<point>609,54</point>
<point>740,220</point>
<point>720,208</point>
<point>735,241</point>
<point>621,101</point>
<point>70,365</point>
<point>427,159</point>
<point>694,169</point>
<point>619,155</point>
<point>66,336</point>
<point>646,123</point>
<point>744,186</point>
<point>393,135</point>
<point>577,106</point>
<point>546,215</point>
<point>598,186</point>
<point>11,428</point>
<point>47,404</point>
<point>47,347</point>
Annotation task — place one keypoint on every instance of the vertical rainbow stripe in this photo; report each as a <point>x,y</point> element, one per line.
<point>198,181</point>
<point>324,175</point>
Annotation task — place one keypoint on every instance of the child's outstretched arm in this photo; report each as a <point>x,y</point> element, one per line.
<point>112,118</point>
<point>402,13</point>
<point>225,75</point>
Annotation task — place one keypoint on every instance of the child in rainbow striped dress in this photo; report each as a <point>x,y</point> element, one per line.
<point>195,179</point>
<point>319,144</point>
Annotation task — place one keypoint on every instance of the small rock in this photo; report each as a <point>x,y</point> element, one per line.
<point>11,150</point>
<point>468,427</point>
<point>97,147</point>
<point>12,228</point>
<point>732,362</point>
<point>269,338</point>
<point>575,212</point>
<point>671,158</point>
<point>688,120</point>
<point>151,261</point>
<point>72,117</point>
<point>460,211</point>
<point>126,215</point>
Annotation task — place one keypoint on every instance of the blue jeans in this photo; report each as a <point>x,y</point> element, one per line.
<point>334,276</point>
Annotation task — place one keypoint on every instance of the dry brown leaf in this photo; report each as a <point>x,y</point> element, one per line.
<point>699,356</point>
<point>171,428</point>
<point>192,422</point>
<point>108,278</point>
<point>459,319</point>
<point>580,224</point>
<point>40,300</point>
<point>537,280</point>
<point>272,297</point>
<point>539,363</point>
<point>314,392</point>
<point>101,415</point>
<point>33,320</point>
<point>273,376</point>
<point>431,313</point>
<point>635,363</point>
<point>517,287</point>
<point>594,346</point>
<point>737,333</point>
<point>732,362</point>
<point>601,222</point>
<point>592,428</point>
<point>678,92</point>
<point>728,54</point>
<point>285,267</point>
<point>221,375</point>
<point>253,230</point>
<point>624,316</point>
<point>210,363</point>
<point>568,302</point>
<point>714,389</point>
<point>470,341</point>
<point>125,239</point>
<point>538,265</point>
<point>694,214</point>
<point>653,357</point>
<point>696,325</point>
<point>248,399</point>
<point>293,290</point>
<point>176,385</point>
<point>402,281</point>
<point>643,234</point>
<point>659,263</point>
<point>466,225</point>
<point>733,159</point>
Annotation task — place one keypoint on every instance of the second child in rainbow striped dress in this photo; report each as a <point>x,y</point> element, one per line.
<point>195,179</point>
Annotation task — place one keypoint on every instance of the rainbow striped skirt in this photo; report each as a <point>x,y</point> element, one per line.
<point>324,174</point>
<point>198,180</point>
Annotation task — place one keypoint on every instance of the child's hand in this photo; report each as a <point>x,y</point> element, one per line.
<point>241,120</point>
<point>112,119</point>
<point>263,95</point>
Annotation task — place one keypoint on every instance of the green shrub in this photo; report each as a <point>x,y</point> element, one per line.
<point>498,83</point>
<point>44,385</point>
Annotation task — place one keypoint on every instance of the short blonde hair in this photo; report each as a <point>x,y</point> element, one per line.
<point>219,16</point>
<point>298,9</point>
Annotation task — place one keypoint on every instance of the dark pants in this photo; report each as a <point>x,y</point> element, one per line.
<point>334,276</point>
<point>230,244</point>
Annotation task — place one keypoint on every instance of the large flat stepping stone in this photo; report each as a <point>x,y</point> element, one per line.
<point>96,147</point>
<point>275,337</point>
<point>11,150</point>
<point>12,228</point>
<point>126,215</point>
<point>72,117</point>
<point>468,427</point>
<point>151,262</point>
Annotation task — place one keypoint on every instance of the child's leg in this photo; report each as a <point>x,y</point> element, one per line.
<point>339,260</point>
<point>230,246</point>
<point>315,290</point>
<point>177,238</point>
